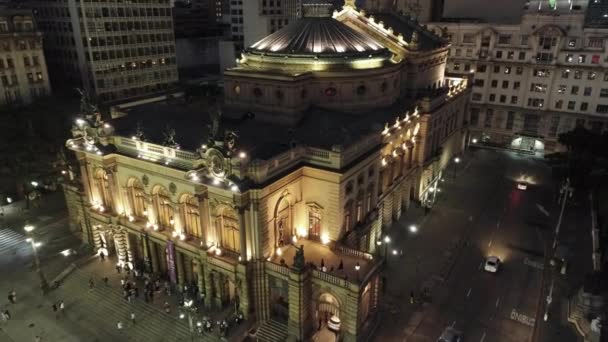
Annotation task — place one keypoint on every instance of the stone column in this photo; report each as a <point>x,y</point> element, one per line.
<point>299,326</point>
<point>203,208</point>
<point>179,265</point>
<point>145,243</point>
<point>201,281</point>
<point>217,290</point>
<point>350,319</point>
<point>242,230</point>
<point>154,256</point>
<point>208,280</point>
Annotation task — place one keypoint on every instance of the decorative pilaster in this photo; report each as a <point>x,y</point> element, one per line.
<point>84,174</point>
<point>121,246</point>
<point>242,230</point>
<point>201,281</point>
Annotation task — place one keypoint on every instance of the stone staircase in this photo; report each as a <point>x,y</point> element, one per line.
<point>104,306</point>
<point>272,331</point>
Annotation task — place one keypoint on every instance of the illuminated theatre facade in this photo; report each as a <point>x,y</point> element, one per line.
<point>330,129</point>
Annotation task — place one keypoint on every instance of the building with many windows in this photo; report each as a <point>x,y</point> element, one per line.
<point>279,203</point>
<point>115,50</point>
<point>536,79</point>
<point>23,72</point>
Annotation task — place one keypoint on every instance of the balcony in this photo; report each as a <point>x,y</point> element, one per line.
<point>315,253</point>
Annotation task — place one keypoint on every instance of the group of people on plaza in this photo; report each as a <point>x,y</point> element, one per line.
<point>12,298</point>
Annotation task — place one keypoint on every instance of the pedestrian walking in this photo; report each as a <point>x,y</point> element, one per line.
<point>320,323</point>
<point>119,325</point>
<point>102,255</point>
<point>105,280</point>
<point>38,339</point>
<point>91,283</point>
<point>412,297</point>
<point>12,296</point>
<point>167,308</point>
<point>7,314</point>
<point>3,316</point>
<point>133,317</point>
<point>61,306</point>
<point>122,282</point>
<point>54,308</point>
<point>118,268</point>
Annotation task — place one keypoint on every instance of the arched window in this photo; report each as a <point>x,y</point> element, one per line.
<point>228,227</point>
<point>189,213</point>
<point>162,206</point>
<point>283,221</point>
<point>368,199</point>
<point>314,223</point>
<point>348,215</point>
<point>359,208</point>
<point>137,197</point>
<point>103,188</point>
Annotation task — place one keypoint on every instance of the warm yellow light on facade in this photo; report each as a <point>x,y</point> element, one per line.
<point>279,251</point>
<point>325,238</point>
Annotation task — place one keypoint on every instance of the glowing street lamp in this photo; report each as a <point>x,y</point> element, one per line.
<point>413,229</point>
<point>44,285</point>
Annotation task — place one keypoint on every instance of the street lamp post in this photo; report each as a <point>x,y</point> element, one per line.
<point>44,285</point>
<point>387,240</point>
<point>456,161</point>
<point>188,305</point>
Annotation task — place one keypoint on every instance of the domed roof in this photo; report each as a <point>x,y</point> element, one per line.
<point>318,37</point>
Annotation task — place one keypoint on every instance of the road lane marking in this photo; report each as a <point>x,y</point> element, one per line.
<point>490,243</point>
<point>535,264</point>
<point>483,337</point>
<point>497,301</point>
<point>453,324</point>
<point>521,318</point>
<point>469,293</point>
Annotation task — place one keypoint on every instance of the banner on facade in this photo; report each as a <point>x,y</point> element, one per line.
<point>171,262</point>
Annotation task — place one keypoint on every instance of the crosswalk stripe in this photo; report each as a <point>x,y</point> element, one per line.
<point>11,240</point>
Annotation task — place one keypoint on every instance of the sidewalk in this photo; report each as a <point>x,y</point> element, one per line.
<point>575,235</point>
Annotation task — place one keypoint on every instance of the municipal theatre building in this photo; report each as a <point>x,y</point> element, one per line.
<point>278,199</point>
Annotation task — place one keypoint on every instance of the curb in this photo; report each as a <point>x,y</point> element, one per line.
<point>73,266</point>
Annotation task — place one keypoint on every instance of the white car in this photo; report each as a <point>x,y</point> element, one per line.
<point>522,186</point>
<point>492,264</point>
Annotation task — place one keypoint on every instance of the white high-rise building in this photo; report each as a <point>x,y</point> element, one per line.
<point>115,50</point>
<point>536,79</point>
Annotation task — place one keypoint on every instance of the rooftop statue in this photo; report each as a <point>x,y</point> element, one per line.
<point>87,107</point>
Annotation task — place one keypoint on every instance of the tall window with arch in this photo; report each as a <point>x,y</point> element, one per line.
<point>368,198</point>
<point>103,188</point>
<point>348,215</point>
<point>359,208</point>
<point>137,197</point>
<point>283,221</point>
<point>190,215</point>
<point>314,223</point>
<point>228,227</point>
<point>162,206</point>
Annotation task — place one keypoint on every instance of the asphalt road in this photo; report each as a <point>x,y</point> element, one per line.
<point>482,213</point>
